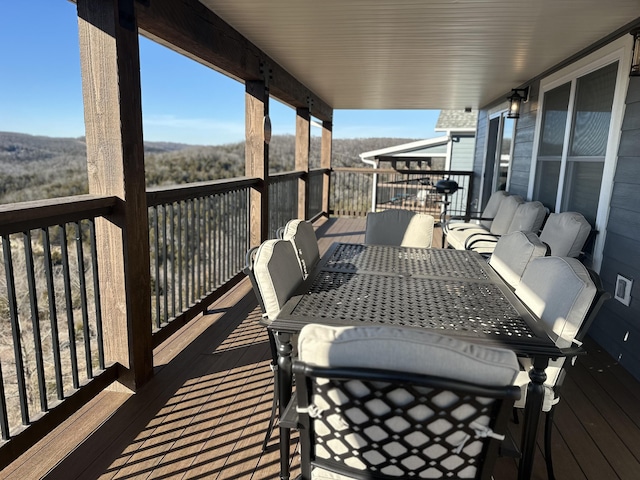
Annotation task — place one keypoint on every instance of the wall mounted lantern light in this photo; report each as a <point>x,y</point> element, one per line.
<point>518,95</point>
<point>635,58</point>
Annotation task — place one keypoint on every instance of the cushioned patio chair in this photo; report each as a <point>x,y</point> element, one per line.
<point>566,233</point>
<point>566,296</point>
<point>384,402</point>
<point>484,218</point>
<point>512,254</point>
<point>399,227</point>
<point>303,237</point>
<point>528,217</point>
<point>499,226</point>
<point>275,274</point>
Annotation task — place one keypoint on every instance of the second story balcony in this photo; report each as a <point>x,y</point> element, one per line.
<point>130,338</point>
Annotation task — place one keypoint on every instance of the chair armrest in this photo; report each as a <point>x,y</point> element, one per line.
<point>480,237</point>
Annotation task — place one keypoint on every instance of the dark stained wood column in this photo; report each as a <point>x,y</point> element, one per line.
<point>113,119</point>
<point>257,158</point>
<point>303,145</point>
<point>325,162</point>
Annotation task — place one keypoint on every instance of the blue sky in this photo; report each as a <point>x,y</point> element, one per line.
<point>182,101</point>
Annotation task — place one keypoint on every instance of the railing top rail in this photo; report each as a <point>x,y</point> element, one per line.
<point>23,216</point>
<point>318,171</point>
<point>402,171</point>
<point>162,195</point>
<point>284,176</point>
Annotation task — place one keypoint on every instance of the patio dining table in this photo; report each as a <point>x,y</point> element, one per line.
<point>452,291</point>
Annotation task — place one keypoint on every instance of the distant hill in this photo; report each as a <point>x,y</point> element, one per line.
<point>37,167</point>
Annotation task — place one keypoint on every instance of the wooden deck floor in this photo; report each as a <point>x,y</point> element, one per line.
<point>204,413</point>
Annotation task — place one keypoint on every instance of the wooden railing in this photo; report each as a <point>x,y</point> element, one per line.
<point>51,343</point>
<point>356,191</point>
<point>316,184</point>
<point>283,200</point>
<point>199,234</point>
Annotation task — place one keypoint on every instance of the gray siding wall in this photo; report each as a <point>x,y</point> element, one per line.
<point>462,153</point>
<point>523,144</point>
<point>481,141</point>
<point>617,328</point>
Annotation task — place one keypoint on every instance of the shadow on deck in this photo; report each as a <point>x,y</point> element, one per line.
<point>204,413</point>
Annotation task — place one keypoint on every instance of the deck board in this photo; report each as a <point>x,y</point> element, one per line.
<point>205,412</point>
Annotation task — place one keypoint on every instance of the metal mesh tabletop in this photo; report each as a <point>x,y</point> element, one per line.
<point>469,307</point>
<point>404,261</point>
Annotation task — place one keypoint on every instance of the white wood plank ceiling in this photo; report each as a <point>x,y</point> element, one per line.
<point>421,54</point>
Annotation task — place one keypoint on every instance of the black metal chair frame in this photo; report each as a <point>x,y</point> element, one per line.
<point>380,381</point>
<point>248,270</point>
<point>600,297</point>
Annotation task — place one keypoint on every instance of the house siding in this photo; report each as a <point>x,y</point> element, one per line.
<point>481,142</point>
<point>617,328</point>
<point>523,145</point>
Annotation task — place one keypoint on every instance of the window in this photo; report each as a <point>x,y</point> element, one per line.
<point>581,151</point>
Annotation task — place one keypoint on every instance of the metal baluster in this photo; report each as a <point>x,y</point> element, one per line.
<point>69,307</point>
<point>53,314</point>
<point>172,235</point>
<point>96,293</point>
<point>187,258</point>
<point>83,301</point>
<point>198,248</point>
<point>15,329</point>
<point>165,267</point>
<point>35,319</point>
<point>156,264</point>
<point>180,254</point>
<point>4,418</point>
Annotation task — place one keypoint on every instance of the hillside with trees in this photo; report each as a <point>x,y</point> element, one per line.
<point>38,167</point>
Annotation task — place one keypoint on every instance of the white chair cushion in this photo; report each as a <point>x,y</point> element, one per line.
<point>565,233</point>
<point>512,254</point>
<point>457,238</point>
<point>528,217</point>
<point>399,227</point>
<point>489,212</point>
<point>277,274</point>
<point>491,208</point>
<point>559,291</point>
<point>305,243</point>
<point>408,350</point>
<point>505,213</point>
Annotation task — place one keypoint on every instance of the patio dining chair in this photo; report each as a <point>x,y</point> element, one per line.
<point>275,274</point>
<point>513,253</point>
<point>484,219</point>
<point>399,227</point>
<point>528,217</point>
<point>383,402</point>
<point>566,296</point>
<point>303,237</point>
<point>566,233</point>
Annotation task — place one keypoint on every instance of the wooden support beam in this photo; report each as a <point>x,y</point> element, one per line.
<point>303,145</point>
<point>192,29</point>
<point>325,162</point>
<point>110,67</point>
<point>257,158</point>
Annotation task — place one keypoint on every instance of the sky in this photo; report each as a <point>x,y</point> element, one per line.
<point>182,101</point>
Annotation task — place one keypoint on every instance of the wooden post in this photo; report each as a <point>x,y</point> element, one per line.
<point>325,162</point>
<point>303,144</point>
<point>257,158</point>
<point>110,67</point>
